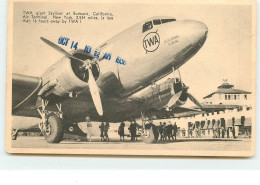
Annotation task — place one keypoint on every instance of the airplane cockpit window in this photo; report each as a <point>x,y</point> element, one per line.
<point>167,20</point>
<point>147,26</point>
<point>156,21</point>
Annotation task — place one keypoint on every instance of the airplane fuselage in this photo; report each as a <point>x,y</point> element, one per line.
<point>140,55</point>
<point>151,54</point>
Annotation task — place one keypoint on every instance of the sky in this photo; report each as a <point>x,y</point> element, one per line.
<point>226,53</point>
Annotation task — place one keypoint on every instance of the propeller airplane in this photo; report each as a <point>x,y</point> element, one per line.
<point>80,85</point>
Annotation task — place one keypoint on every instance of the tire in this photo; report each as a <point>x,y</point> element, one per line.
<point>152,135</point>
<point>56,129</point>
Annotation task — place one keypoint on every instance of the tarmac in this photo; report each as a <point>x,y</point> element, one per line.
<point>191,144</point>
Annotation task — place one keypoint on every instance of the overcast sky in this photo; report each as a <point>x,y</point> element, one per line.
<point>225,54</point>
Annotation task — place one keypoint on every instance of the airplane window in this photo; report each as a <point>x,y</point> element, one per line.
<point>147,26</point>
<point>156,21</point>
<point>167,20</point>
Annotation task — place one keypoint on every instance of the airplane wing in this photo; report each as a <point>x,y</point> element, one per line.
<point>184,112</point>
<point>24,91</point>
<point>175,112</point>
<point>184,109</point>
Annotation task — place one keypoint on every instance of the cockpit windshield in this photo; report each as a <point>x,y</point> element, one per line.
<point>156,21</point>
<point>149,25</point>
<point>167,20</point>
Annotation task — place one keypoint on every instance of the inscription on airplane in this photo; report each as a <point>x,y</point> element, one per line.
<point>172,40</point>
<point>88,49</point>
<point>151,41</point>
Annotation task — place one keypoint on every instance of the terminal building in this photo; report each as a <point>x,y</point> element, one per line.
<point>226,97</point>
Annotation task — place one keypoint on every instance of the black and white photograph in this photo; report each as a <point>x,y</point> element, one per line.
<point>132,79</point>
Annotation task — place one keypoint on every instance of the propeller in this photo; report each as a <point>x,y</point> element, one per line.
<point>86,65</point>
<point>184,89</point>
<point>95,93</point>
<point>191,97</point>
<point>174,99</point>
<point>194,100</point>
<point>61,50</point>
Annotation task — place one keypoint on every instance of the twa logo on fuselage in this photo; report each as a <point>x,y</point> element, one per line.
<point>151,42</point>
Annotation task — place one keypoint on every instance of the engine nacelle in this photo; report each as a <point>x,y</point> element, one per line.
<point>158,95</point>
<point>66,76</point>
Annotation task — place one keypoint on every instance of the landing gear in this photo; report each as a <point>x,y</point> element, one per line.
<point>54,129</point>
<point>51,125</point>
<point>150,132</point>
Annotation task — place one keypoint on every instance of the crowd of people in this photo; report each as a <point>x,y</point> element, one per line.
<point>166,131</point>
<point>218,131</point>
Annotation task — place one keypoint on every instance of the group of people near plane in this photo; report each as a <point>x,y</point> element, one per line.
<point>132,129</point>
<point>167,131</point>
<point>104,127</point>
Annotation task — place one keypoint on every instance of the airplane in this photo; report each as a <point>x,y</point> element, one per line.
<point>120,87</point>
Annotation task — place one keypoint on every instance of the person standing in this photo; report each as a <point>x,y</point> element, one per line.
<point>233,128</point>
<point>223,131</point>
<point>170,131</point>
<point>106,131</point>
<point>165,131</point>
<point>160,128</point>
<point>183,132</point>
<point>135,128</point>
<point>218,132</point>
<point>89,130</point>
<point>175,129</point>
<point>102,128</point>
<point>121,131</point>
<point>190,132</point>
<point>196,132</point>
<point>132,131</point>
<point>214,132</point>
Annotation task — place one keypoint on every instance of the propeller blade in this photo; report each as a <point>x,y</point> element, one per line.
<point>95,93</point>
<point>61,50</point>
<point>194,100</point>
<point>174,99</point>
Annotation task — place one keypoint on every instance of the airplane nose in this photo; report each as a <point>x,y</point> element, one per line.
<point>198,31</point>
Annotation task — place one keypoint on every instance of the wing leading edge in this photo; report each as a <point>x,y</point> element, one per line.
<point>24,91</point>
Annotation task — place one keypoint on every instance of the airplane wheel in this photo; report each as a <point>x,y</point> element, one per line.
<point>54,130</point>
<point>151,134</point>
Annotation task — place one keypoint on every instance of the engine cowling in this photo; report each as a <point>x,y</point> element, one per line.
<point>158,95</point>
<point>66,76</point>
